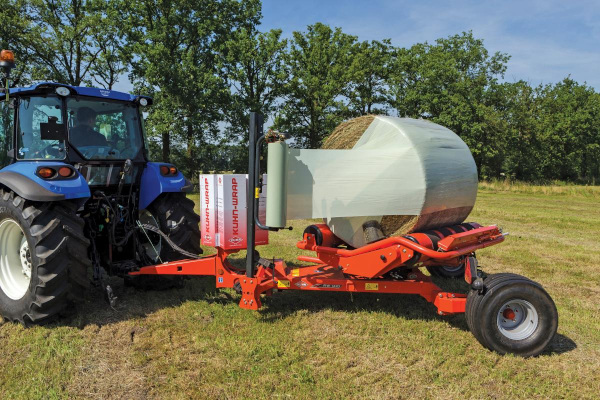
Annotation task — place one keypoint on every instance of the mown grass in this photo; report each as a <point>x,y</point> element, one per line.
<point>558,188</point>
<point>195,342</point>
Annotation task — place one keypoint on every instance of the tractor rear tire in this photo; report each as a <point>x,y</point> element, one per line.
<point>512,314</point>
<point>176,217</point>
<point>43,259</point>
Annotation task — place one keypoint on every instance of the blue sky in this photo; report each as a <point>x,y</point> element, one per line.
<point>547,39</point>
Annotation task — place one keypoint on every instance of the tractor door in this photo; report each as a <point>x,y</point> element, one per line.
<point>7,114</point>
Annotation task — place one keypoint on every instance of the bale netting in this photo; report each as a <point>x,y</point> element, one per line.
<point>448,181</point>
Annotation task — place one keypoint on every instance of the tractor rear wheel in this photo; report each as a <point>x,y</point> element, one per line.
<point>174,214</point>
<point>512,314</point>
<point>177,218</point>
<point>43,258</point>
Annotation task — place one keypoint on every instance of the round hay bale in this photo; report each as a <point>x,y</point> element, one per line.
<point>347,135</point>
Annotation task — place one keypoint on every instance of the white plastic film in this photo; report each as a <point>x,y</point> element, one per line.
<point>346,183</point>
<point>399,166</point>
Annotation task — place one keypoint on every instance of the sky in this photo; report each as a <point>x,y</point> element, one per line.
<point>547,40</point>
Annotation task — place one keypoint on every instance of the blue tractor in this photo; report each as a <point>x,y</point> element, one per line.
<point>79,198</point>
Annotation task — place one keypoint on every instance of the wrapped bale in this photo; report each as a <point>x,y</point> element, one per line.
<point>447,175</point>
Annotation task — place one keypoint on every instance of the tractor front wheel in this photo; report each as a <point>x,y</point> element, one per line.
<point>43,258</point>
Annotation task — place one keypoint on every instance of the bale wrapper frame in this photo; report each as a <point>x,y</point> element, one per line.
<point>507,313</point>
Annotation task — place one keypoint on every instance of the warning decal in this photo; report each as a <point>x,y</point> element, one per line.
<point>283,284</point>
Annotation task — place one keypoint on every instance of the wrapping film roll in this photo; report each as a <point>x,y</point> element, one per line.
<point>398,167</point>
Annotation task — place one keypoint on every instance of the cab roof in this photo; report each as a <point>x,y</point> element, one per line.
<point>43,87</point>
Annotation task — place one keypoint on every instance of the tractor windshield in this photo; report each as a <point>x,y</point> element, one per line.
<point>103,129</point>
<point>40,129</point>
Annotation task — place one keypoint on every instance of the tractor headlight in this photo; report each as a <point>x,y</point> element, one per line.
<point>143,102</point>
<point>62,91</point>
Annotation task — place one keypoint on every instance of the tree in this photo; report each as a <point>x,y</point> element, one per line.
<point>112,60</point>
<point>66,39</point>
<point>252,64</point>
<point>370,70</point>
<point>174,47</point>
<point>317,66</point>
<point>453,83</point>
<point>523,153</point>
<point>15,24</point>
<point>569,116</point>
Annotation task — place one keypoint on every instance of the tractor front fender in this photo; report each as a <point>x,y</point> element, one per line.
<point>21,178</point>
<point>153,184</point>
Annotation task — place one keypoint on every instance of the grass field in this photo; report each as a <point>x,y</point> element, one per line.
<point>195,342</point>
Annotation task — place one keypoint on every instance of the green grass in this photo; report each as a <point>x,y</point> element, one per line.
<point>195,342</point>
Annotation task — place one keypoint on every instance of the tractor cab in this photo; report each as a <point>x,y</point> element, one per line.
<point>95,130</point>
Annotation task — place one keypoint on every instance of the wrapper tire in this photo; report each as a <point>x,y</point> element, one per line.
<point>484,307</point>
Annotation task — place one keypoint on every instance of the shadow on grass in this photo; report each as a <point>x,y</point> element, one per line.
<point>133,304</point>
<point>286,303</point>
<point>559,345</point>
<point>403,306</point>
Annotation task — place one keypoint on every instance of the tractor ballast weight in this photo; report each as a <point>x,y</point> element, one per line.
<point>507,313</point>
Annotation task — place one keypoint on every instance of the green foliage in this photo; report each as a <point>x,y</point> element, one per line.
<point>13,27</point>
<point>453,83</point>
<point>174,48</point>
<point>253,65</point>
<point>552,132</point>
<point>69,41</point>
<point>317,64</point>
<point>569,116</point>
<point>207,66</point>
<point>370,71</point>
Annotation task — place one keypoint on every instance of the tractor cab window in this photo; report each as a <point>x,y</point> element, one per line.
<point>104,129</point>
<point>7,113</point>
<point>40,130</point>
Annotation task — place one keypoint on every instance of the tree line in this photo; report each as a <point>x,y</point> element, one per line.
<point>208,64</point>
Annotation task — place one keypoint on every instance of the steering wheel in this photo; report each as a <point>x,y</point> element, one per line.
<point>90,152</point>
<point>53,150</point>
